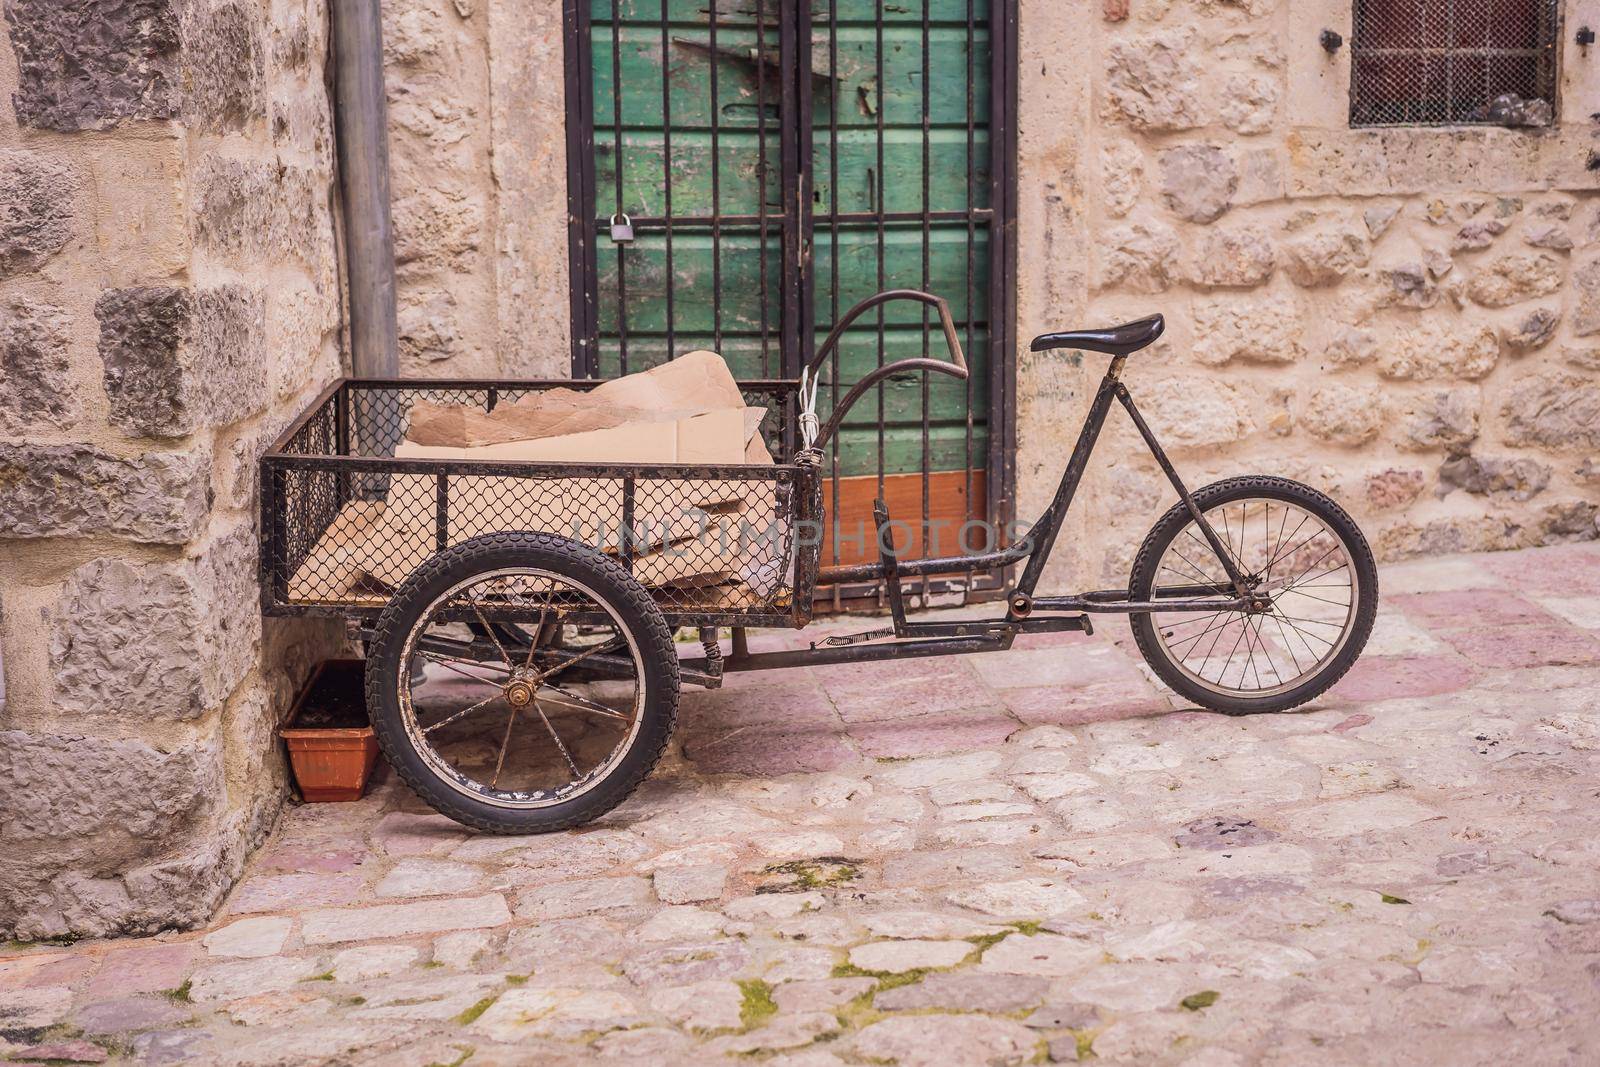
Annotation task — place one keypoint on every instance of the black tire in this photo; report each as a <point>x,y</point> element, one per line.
<point>1357,627</point>
<point>614,587</point>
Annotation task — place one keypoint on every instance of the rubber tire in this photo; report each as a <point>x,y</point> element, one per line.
<point>600,573</point>
<point>1142,581</point>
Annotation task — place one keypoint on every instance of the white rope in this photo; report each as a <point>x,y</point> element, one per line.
<point>810,425</point>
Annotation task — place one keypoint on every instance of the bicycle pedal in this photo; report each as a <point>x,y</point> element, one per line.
<point>842,640</point>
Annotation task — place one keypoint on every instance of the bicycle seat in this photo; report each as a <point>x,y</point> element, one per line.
<point>1114,340</point>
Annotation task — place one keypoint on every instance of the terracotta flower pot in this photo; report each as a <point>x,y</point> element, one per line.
<point>332,748</point>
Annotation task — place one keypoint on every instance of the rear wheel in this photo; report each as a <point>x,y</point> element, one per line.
<point>485,707</point>
<point>1293,544</point>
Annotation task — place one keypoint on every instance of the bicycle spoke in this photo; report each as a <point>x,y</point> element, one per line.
<point>576,774</point>
<point>533,641</point>
<point>490,630</point>
<point>505,743</point>
<point>464,711</point>
<point>609,646</point>
<point>576,701</point>
<point>441,661</point>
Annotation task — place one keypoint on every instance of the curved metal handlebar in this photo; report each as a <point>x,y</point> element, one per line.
<point>956,368</point>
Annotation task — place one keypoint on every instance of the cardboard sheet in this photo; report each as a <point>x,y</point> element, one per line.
<point>692,384</point>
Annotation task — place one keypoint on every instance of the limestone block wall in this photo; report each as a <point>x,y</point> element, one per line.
<point>1408,318</point>
<point>169,299</point>
<point>478,166</point>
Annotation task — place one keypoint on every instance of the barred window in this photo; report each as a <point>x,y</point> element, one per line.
<point>1448,62</point>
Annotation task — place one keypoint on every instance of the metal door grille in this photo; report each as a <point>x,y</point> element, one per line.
<point>778,161</point>
<point>1449,62</point>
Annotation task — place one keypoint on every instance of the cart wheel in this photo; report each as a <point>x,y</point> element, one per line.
<point>478,703</point>
<point>1290,542</point>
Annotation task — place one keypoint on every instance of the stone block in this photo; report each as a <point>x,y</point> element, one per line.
<point>36,195</point>
<point>1517,478</point>
<point>1259,330</point>
<point>223,61</point>
<point>1408,284</point>
<point>429,330</point>
<point>1237,258</point>
<point>1121,176</point>
<point>1554,410</point>
<point>1141,258</point>
<point>79,490</point>
<point>1325,257</point>
<point>258,207</point>
<point>1193,412</point>
<point>1337,162</point>
<point>1153,82</point>
<point>178,361</point>
<point>35,388</point>
<point>1198,181</point>
<point>91,66</point>
<point>1477,235</point>
<point>1443,419</point>
<point>91,797</point>
<point>1532,330</point>
<point>1351,345</point>
<point>1514,278</point>
<point>1432,351</point>
<point>1249,103</point>
<point>1586,294</point>
<point>1344,414</point>
<point>1394,487</point>
<point>162,640</point>
<point>438,226</point>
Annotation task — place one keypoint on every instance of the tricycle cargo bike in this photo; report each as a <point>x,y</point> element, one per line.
<point>520,617</point>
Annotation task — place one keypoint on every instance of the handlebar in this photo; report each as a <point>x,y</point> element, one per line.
<point>956,368</point>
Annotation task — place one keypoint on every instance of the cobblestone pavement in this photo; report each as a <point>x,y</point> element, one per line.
<point>1007,859</point>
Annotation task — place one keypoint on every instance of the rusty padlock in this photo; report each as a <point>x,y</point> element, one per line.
<point>621,228</point>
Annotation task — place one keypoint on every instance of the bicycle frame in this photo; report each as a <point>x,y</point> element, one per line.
<point>1025,612</point>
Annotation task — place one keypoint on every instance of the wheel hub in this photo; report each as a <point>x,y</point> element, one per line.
<point>519,694</point>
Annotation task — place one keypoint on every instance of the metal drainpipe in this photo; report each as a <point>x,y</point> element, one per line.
<point>360,118</point>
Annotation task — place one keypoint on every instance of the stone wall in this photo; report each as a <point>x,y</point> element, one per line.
<point>169,299</point>
<point>478,165</point>
<point>1407,318</point>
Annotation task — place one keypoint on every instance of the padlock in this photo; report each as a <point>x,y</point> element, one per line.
<point>621,228</point>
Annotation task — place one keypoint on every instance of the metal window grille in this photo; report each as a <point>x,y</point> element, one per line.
<point>1453,62</point>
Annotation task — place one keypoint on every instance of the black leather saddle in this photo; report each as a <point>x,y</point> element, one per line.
<point>1115,340</point>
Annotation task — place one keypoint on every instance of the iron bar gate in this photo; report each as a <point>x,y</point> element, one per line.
<point>741,172</point>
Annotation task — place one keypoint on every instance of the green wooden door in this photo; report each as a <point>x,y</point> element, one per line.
<point>699,135</point>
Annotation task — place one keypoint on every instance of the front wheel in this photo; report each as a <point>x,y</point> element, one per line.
<point>487,708</point>
<point>1292,544</point>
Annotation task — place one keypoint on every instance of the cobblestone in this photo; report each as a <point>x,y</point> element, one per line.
<point>1408,862</point>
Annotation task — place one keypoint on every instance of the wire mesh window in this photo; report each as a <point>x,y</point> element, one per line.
<point>1449,62</point>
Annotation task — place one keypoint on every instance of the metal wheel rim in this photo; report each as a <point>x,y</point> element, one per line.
<point>513,799</point>
<point>1178,627</point>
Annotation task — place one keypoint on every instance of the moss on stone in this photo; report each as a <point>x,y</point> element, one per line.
<point>757,1005</point>
<point>471,1014</point>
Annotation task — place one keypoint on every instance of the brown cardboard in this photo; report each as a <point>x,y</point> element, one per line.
<point>457,425</point>
<point>717,436</point>
<point>692,384</point>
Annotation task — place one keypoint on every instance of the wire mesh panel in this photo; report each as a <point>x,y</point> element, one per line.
<point>1447,62</point>
<point>346,524</point>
